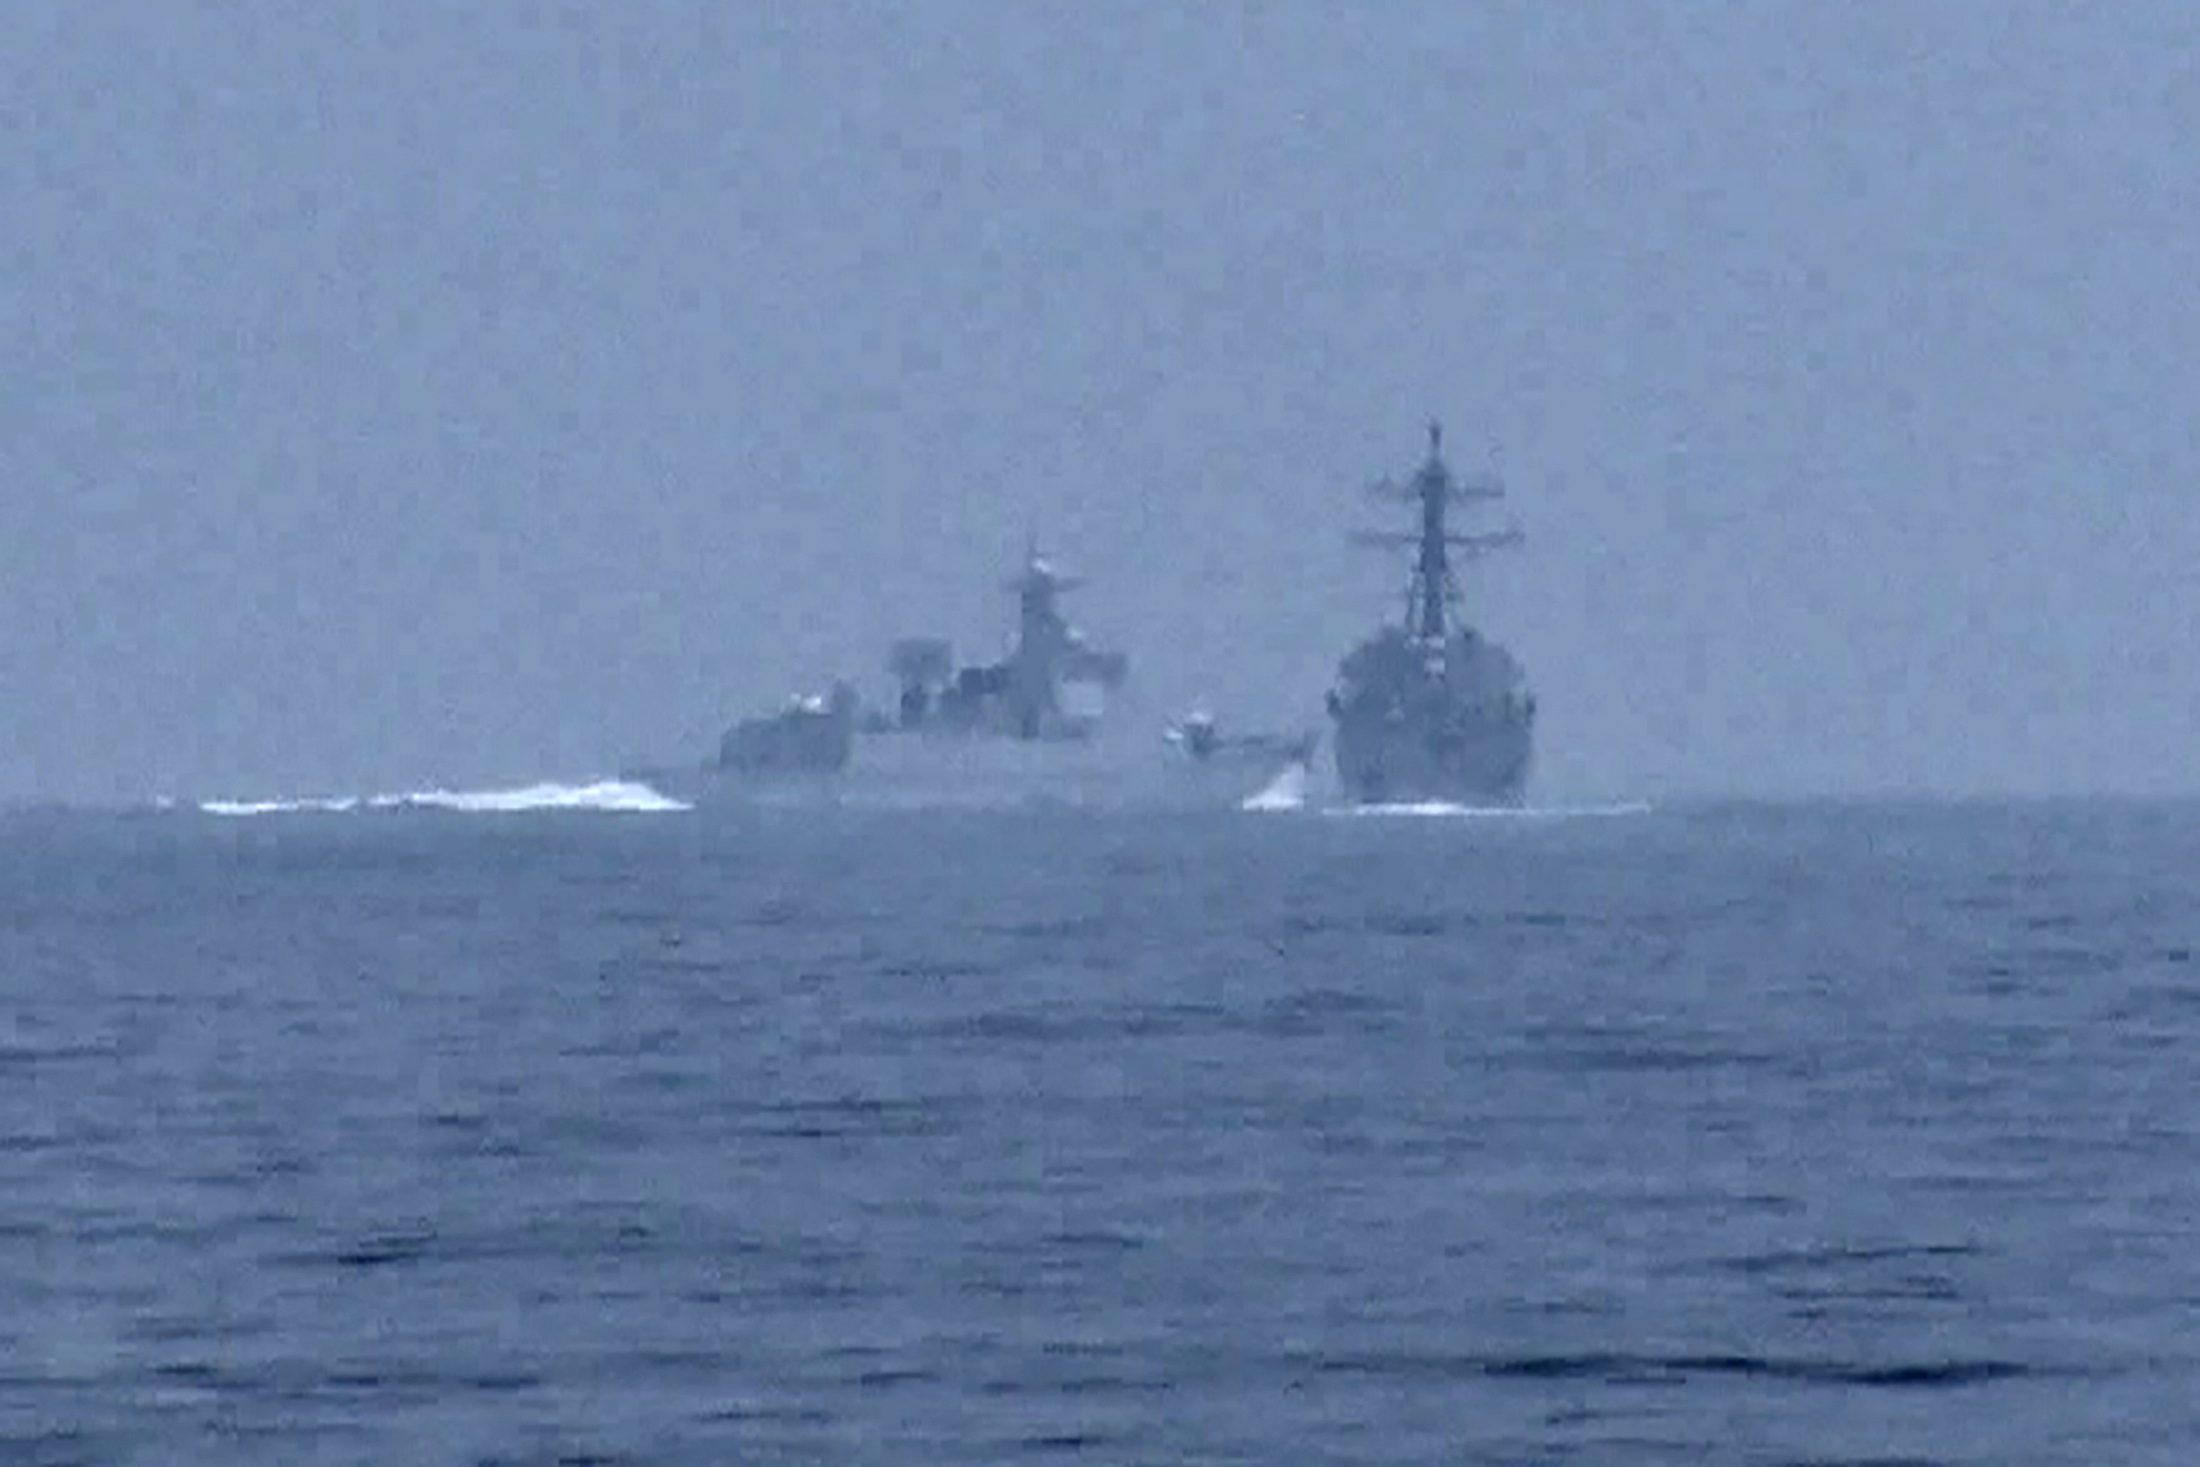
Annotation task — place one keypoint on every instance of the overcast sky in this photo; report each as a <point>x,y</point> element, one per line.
<point>401,393</point>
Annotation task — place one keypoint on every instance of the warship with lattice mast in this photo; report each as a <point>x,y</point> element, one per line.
<point>1430,710</point>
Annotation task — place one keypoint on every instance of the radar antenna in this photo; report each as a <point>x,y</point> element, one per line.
<point>1432,490</point>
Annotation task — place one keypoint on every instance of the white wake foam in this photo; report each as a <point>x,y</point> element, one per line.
<point>1443,809</point>
<point>615,796</point>
<point>1287,791</point>
<point>278,807</point>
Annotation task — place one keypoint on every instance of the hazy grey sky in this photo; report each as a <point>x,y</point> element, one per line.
<point>406,392</point>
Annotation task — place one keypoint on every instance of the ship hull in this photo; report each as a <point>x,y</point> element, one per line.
<point>926,771</point>
<point>1484,763</point>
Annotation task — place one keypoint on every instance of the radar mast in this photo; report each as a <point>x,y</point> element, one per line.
<point>1432,490</point>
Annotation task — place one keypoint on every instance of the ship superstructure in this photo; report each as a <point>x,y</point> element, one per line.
<point>1430,709</point>
<point>1052,685</point>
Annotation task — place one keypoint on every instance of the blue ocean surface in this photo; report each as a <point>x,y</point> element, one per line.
<point>1811,1134</point>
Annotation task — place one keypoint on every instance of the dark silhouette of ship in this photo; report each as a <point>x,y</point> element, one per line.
<point>1431,710</point>
<point>814,733</point>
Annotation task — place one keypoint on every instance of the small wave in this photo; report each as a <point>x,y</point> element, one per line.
<point>610,795</point>
<point>1619,1366</point>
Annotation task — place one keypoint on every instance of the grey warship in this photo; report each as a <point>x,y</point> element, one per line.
<point>1431,710</point>
<point>1041,724</point>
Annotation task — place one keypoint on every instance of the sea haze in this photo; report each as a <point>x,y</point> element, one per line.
<point>471,394</point>
<point>1803,1134</point>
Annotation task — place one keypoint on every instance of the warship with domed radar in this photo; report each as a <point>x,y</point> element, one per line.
<point>1430,710</point>
<point>1052,687</point>
<point>1042,724</point>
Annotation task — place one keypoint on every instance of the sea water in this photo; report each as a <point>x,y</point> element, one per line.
<point>473,1131</point>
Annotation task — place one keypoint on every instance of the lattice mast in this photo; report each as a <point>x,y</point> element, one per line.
<point>1432,490</point>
